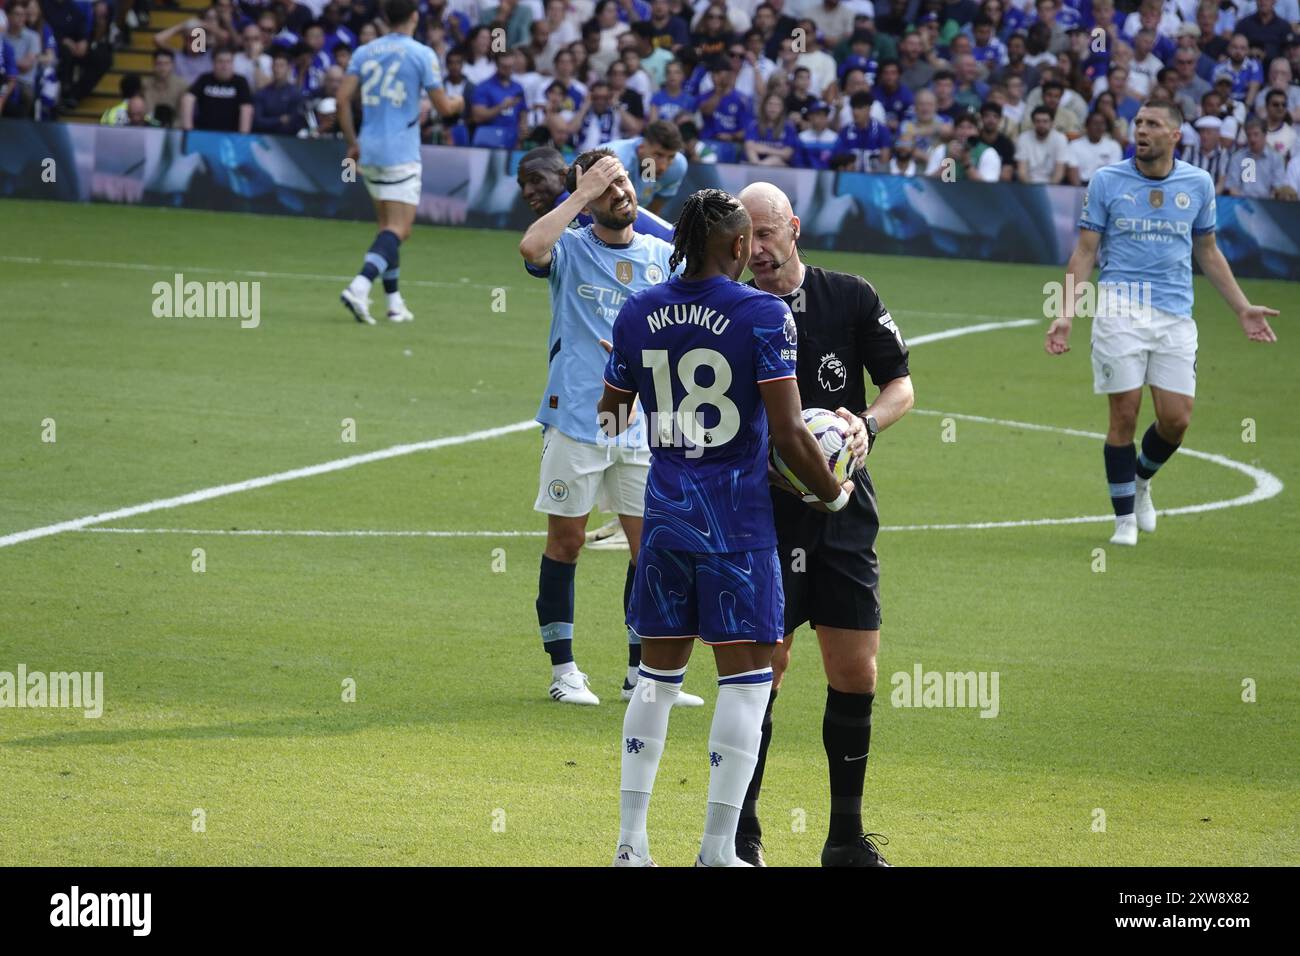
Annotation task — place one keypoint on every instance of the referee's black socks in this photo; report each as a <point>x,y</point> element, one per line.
<point>846,735</point>
<point>748,824</point>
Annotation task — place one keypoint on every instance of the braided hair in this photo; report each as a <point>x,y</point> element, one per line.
<point>704,212</point>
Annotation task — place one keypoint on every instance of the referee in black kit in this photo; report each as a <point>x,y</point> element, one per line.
<point>828,561</point>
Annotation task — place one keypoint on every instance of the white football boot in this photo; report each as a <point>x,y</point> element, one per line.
<point>608,537</point>
<point>359,307</point>
<point>400,314</point>
<point>1126,530</point>
<point>572,688</point>
<point>626,856</point>
<point>735,862</point>
<point>683,699</point>
<point>1143,509</point>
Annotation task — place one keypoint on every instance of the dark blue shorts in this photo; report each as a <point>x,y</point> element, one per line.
<point>728,598</point>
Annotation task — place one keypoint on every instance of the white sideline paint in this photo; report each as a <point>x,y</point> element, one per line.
<point>218,491</point>
<point>257,274</point>
<point>967,329</point>
<point>161,504</point>
<point>1267,485</point>
<point>296,533</point>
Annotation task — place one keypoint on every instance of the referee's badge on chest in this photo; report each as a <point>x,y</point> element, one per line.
<point>623,271</point>
<point>831,374</point>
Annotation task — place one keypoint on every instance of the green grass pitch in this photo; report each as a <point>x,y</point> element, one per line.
<point>1121,691</point>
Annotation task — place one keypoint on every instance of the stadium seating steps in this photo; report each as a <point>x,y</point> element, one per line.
<point>136,58</point>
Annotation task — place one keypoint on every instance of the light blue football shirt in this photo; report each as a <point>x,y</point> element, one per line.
<point>590,280</point>
<point>1146,228</point>
<point>662,187</point>
<point>394,70</point>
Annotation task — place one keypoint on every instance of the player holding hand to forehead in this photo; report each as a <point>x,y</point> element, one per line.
<point>591,272</point>
<point>1144,219</point>
<point>713,362</point>
<point>391,72</point>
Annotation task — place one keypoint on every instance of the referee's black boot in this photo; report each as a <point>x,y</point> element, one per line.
<point>750,849</point>
<point>860,852</point>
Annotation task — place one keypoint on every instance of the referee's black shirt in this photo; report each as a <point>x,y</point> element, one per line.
<point>844,329</point>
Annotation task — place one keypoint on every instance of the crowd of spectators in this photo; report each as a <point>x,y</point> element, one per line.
<point>1040,91</point>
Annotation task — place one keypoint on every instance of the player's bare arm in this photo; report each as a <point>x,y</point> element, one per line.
<point>444,104</point>
<point>1253,318</point>
<point>894,401</point>
<point>615,410</point>
<point>347,122</point>
<point>796,445</point>
<point>1077,272</point>
<point>542,235</point>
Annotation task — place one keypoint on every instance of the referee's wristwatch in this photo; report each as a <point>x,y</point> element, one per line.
<point>873,429</point>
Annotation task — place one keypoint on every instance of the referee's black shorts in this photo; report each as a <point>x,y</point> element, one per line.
<point>829,567</point>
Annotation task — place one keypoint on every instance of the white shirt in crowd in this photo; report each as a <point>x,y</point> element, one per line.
<point>1088,157</point>
<point>245,68</point>
<point>990,164</point>
<point>911,169</point>
<point>1041,155</point>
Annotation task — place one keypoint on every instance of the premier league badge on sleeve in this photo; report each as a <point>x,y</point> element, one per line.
<point>791,330</point>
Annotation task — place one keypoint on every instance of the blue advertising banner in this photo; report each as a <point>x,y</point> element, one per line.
<point>857,212</point>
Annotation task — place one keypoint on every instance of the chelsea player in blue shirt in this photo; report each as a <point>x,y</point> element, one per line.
<point>391,71</point>
<point>1144,219</point>
<point>714,364</point>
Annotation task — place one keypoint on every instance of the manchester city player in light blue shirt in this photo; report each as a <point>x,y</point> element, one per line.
<point>591,271</point>
<point>1143,220</point>
<point>392,72</point>
<point>714,363</point>
<point>654,161</point>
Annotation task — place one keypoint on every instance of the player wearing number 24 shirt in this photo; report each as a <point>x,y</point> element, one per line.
<point>391,72</point>
<point>713,362</point>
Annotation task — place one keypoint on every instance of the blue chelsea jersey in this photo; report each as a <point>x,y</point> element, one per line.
<point>1147,226</point>
<point>695,352</point>
<point>590,280</point>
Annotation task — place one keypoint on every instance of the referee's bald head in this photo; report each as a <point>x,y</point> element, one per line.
<point>766,198</point>
<point>773,258</point>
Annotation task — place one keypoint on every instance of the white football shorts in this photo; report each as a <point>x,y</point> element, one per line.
<point>577,477</point>
<point>399,183</point>
<point>1135,348</point>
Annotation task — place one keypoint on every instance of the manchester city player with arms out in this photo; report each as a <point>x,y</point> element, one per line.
<point>1144,219</point>
<point>714,364</point>
<point>391,72</point>
<point>591,271</point>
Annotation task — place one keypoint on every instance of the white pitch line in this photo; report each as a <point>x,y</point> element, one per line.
<point>1267,485</point>
<point>218,491</point>
<point>968,329</point>
<point>296,533</point>
<point>254,274</point>
<point>204,494</point>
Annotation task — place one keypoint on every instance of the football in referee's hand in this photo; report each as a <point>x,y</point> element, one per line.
<point>832,436</point>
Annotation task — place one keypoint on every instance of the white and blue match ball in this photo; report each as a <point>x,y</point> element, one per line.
<point>832,436</point>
